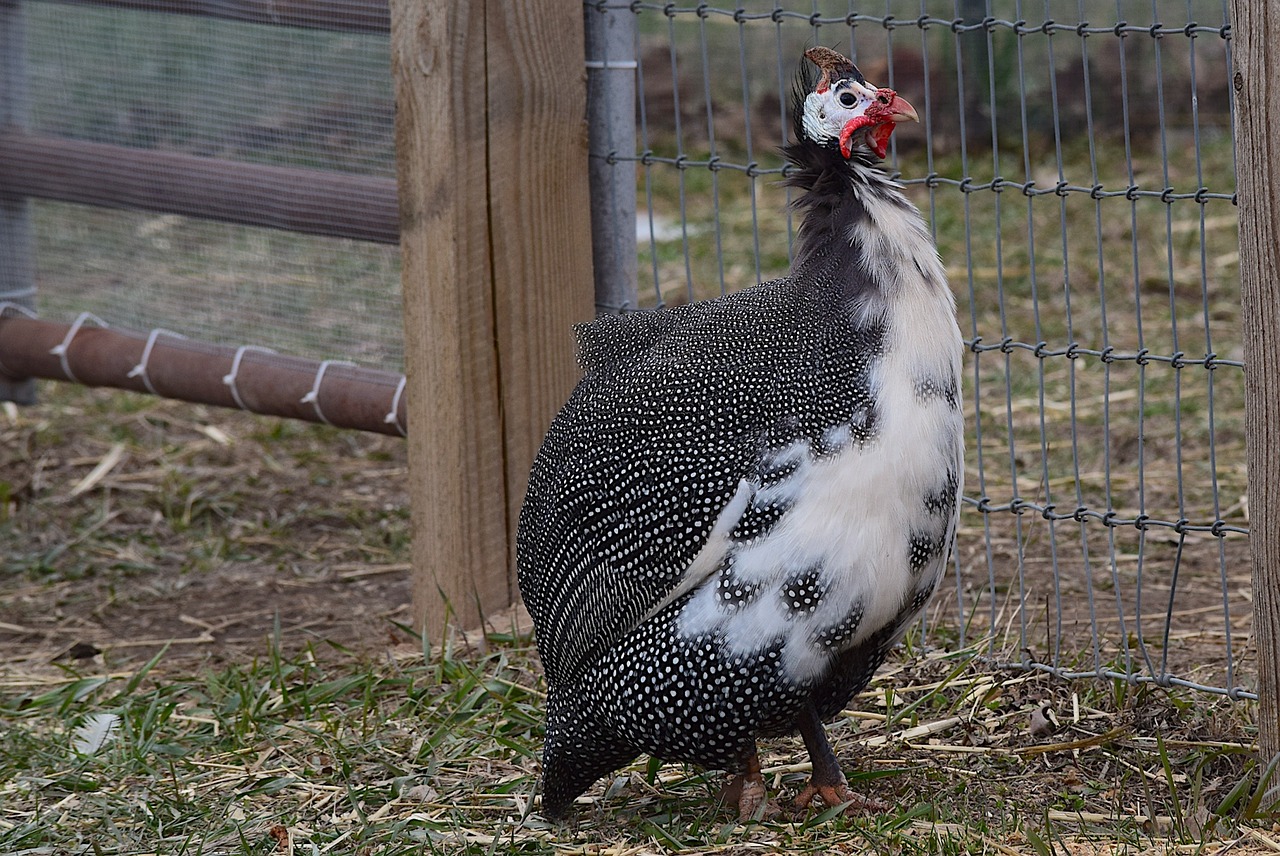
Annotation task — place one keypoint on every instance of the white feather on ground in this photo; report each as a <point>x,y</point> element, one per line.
<point>95,732</point>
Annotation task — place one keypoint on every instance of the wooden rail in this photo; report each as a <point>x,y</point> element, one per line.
<point>280,197</point>
<point>349,16</point>
<point>190,370</point>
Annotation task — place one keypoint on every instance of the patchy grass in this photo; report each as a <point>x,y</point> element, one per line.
<point>323,751</point>
<point>233,591</point>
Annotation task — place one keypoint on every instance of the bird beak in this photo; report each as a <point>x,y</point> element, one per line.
<point>901,111</point>
<point>896,109</point>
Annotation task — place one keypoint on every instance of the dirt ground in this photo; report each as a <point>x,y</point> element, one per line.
<point>131,523</point>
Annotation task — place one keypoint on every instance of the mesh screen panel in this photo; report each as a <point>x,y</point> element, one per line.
<point>246,93</point>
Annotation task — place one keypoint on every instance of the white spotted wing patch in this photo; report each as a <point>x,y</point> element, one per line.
<point>732,592</point>
<point>835,637</point>
<point>802,592</point>
<point>928,388</point>
<point>859,520</point>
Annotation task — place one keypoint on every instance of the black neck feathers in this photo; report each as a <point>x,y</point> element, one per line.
<point>835,194</point>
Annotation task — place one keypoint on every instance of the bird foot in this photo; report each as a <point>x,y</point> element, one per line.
<point>747,791</point>
<point>839,794</point>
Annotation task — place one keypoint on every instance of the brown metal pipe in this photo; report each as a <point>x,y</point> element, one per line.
<point>313,201</point>
<point>189,370</point>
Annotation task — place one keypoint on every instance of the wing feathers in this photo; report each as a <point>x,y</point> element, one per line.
<point>713,551</point>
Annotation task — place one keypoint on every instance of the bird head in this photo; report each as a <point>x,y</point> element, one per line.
<point>841,109</point>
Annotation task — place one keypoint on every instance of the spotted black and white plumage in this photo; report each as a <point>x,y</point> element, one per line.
<point>746,500</point>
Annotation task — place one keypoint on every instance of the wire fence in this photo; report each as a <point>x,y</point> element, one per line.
<point>1075,160</point>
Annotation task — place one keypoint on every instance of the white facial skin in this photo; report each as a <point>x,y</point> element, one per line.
<point>827,113</point>
<point>842,110</point>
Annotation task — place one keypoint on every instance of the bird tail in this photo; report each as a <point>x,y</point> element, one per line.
<point>578,750</point>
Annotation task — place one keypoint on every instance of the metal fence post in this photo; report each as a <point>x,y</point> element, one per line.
<point>611,119</point>
<point>17,234</point>
<point>1255,29</point>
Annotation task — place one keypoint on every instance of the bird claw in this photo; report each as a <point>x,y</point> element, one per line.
<point>837,795</point>
<point>748,793</point>
<point>754,803</point>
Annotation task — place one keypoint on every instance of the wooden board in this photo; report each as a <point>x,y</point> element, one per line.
<point>493,205</point>
<point>540,216</point>
<point>1256,81</point>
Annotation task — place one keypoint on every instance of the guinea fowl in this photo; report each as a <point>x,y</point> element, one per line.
<point>746,500</point>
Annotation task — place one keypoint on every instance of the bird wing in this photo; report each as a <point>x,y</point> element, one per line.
<point>650,466</point>
<point>714,549</point>
<point>616,340</point>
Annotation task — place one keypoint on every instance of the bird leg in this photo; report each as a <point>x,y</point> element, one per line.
<point>748,791</point>
<point>827,780</point>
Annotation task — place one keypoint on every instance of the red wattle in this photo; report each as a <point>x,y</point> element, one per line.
<point>879,138</point>
<point>850,128</point>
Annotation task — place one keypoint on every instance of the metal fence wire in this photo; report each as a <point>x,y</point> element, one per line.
<point>1075,161</point>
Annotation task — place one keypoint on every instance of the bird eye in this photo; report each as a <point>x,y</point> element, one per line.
<point>883,99</point>
<point>847,99</point>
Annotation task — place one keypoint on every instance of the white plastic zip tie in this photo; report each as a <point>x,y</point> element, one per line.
<point>393,415</point>
<point>140,370</point>
<point>313,397</point>
<point>606,64</point>
<point>60,350</point>
<point>230,378</point>
<point>6,305</point>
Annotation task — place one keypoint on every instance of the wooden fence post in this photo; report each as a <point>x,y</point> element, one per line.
<point>1255,32</point>
<point>495,232</point>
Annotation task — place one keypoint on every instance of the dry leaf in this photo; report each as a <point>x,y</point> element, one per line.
<point>106,465</point>
<point>284,841</point>
<point>421,793</point>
